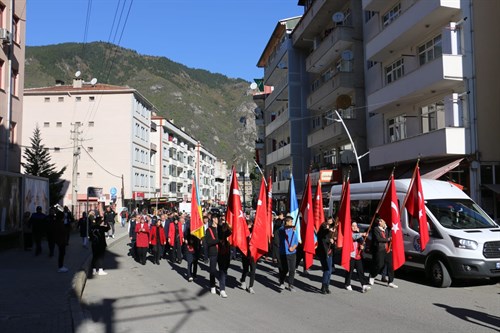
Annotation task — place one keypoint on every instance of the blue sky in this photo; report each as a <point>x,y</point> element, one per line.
<point>221,36</point>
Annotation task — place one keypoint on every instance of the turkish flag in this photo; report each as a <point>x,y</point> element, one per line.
<point>389,212</point>
<point>344,227</point>
<point>415,205</point>
<point>306,209</point>
<point>235,216</point>
<point>319,214</point>
<point>259,240</point>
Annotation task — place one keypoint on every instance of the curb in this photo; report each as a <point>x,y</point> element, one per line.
<point>78,315</point>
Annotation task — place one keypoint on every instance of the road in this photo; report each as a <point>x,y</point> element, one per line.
<point>151,298</point>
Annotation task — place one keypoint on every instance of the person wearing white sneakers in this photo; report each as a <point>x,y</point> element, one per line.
<point>212,243</point>
<point>98,231</point>
<point>356,260</point>
<point>382,253</point>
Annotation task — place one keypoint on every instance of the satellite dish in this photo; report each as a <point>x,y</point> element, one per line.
<point>78,73</point>
<point>343,102</point>
<point>93,81</point>
<point>338,17</point>
<point>347,55</point>
<point>347,157</point>
<point>253,86</point>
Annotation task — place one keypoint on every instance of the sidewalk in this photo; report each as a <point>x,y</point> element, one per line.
<point>35,297</point>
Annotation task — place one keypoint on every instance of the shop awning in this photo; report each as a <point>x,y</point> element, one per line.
<point>494,187</point>
<point>438,172</point>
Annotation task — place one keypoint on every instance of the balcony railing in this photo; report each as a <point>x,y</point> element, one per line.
<point>340,38</point>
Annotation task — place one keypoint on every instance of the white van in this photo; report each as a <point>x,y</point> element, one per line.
<point>464,241</point>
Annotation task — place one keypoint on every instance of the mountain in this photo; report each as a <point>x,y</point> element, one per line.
<point>214,109</point>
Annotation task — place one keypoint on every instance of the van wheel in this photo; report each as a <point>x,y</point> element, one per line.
<point>438,274</point>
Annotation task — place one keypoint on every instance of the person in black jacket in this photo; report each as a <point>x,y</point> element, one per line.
<point>324,251</point>
<point>98,231</point>
<point>212,242</point>
<point>223,256</point>
<point>382,253</point>
<point>38,221</point>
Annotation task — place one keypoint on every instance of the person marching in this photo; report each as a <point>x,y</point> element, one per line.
<point>192,253</point>
<point>288,249</point>
<point>38,221</point>
<point>158,240</point>
<point>83,228</point>
<point>324,251</point>
<point>248,265</point>
<point>142,240</point>
<point>356,259</point>
<point>224,254</point>
<point>382,253</point>
<point>175,239</point>
<point>212,243</point>
<point>98,230</point>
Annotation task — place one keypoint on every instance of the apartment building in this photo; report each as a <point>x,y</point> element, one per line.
<point>285,108</point>
<point>12,40</point>
<point>431,90</point>
<point>101,133</point>
<point>330,33</point>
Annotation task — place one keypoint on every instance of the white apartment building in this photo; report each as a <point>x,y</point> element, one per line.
<point>101,133</point>
<point>12,40</point>
<point>431,90</point>
<point>331,35</point>
<point>180,158</point>
<point>285,109</point>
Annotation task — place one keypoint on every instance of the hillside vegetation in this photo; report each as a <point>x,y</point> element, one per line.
<point>211,107</point>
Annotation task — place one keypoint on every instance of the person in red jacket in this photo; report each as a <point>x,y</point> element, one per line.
<point>157,239</point>
<point>175,240</point>
<point>142,240</point>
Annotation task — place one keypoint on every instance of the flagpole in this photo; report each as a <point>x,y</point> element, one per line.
<point>409,187</point>
<point>261,172</point>
<point>379,204</point>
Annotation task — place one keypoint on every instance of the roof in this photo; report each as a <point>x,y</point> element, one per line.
<point>100,87</point>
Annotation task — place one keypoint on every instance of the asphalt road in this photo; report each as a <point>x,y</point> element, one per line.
<point>151,298</point>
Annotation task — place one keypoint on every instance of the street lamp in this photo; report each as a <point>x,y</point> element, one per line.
<point>340,120</point>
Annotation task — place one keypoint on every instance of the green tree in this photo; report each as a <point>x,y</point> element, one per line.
<point>38,164</point>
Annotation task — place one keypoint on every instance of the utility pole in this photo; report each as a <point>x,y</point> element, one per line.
<point>75,136</point>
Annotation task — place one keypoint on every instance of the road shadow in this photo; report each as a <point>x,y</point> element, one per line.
<point>472,316</point>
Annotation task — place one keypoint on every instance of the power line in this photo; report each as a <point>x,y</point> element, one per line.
<point>93,159</point>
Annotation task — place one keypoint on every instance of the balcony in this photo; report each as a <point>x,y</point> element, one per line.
<point>312,22</point>
<point>153,148</point>
<point>325,96</point>
<point>280,92</point>
<point>275,59</point>
<point>328,133</point>
<point>444,142</point>
<point>259,122</point>
<point>441,74</point>
<point>278,155</point>
<point>281,186</point>
<point>374,5</point>
<point>277,123</point>
<point>411,25</point>
<point>339,39</point>
<point>259,145</point>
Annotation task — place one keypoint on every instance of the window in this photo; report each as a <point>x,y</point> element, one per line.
<point>347,113</point>
<point>370,64</point>
<point>397,128</point>
<point>13,133</point>
<point>394,71</point>
<point>77,123</point>
<point>430,116</point>
<point>369,14</point>
<point>58,124</point>
<point>90,149</point>
<point>46,124</point>
<point>91,124</point>
<point>1,63</point>
<point>78,99</point>
<point>343,66</point>
<point>391,15</point>
<point>57,149</point>
<point>46,99</point>
<point>15,30</point>
<point>89,174</point>
<point>60,99</point>
<point>15,82</point>
<point>91,98</point>
<point>430,50</point>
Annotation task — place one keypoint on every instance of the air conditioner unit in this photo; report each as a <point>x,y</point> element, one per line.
<point>4,35</point>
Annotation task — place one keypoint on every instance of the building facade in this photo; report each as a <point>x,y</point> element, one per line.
<point>12,53</point>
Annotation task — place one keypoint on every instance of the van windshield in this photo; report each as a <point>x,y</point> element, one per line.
<point>459,214</point>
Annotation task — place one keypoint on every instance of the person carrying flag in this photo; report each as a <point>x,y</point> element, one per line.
<point>288,249</point>
<point>356,259</point>
<point>382,253</point>
<point>324,251</point>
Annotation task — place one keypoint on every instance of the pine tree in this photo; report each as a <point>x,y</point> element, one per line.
<point>37,163</point>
